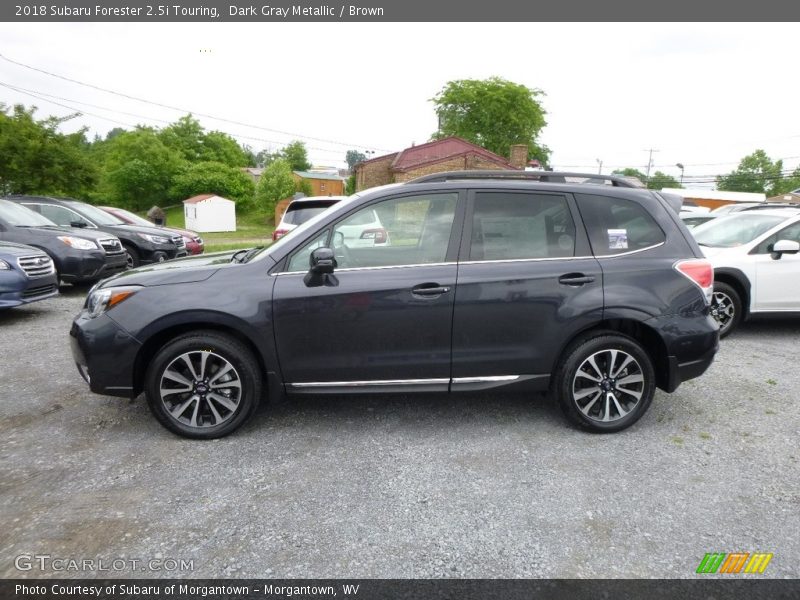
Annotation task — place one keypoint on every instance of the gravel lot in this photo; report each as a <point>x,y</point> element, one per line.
<point>489,485</point>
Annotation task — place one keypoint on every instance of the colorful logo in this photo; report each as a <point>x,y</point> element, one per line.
<point>735,562</point>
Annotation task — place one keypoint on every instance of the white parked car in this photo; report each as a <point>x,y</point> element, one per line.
<point>301,210</point>
<point>756,264</point>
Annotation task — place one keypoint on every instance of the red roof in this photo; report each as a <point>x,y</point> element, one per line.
<point>200,198</point>
<point>440,150</point>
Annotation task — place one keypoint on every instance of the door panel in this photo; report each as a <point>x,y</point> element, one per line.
<point>777,285</point>
<point>369,326</point>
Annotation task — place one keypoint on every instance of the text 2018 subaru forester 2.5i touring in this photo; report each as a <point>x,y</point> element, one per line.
<point>530,281</point>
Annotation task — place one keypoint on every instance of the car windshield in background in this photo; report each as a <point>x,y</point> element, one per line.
<point>19,216</point>
<point>734,230</point>
<point>133,217</point>
<point>99,217</point>
<point>299,213</point>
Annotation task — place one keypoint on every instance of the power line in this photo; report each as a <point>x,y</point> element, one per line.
<point>40,96</point>
<point>184,110</point>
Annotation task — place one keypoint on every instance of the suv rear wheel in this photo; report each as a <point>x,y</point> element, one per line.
<point>203,385</point>
<point>605,383</point>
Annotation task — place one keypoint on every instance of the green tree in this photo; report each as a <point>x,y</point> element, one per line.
<point>276,184</point>
<point>659,181</point>
<point>188,137</point>
<point>756,173</point>
<point>350,185</point>
<point>138,169</point>
<point>304,187</point>
<point>353,157</point>
<point>493,113</point>
<point>787,184</point>
<point>297,157</point>
<point>213,178</point>
<point>35,158</point>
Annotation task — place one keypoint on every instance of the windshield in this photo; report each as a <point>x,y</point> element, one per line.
<point>19,216</point>
<point>94,214</point>
<point>734,230</point>
<point>133,217</point>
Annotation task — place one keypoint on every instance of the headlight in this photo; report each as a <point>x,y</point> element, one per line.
<point>79,243</point>
<point>154,239</point>
<point>100,301</point>
<point>4,266</point>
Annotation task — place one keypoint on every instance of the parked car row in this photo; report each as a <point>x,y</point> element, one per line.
<point>47,240</point>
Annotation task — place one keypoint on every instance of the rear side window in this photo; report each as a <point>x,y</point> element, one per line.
<point>508,226</point>
<point>618,225</point>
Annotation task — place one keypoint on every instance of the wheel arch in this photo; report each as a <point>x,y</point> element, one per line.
<point>632,327</point>
<point>155,339</point>
<point>738,281</point>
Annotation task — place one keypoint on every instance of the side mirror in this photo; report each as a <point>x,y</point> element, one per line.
<point>322,261</point>
<point>782,247</point>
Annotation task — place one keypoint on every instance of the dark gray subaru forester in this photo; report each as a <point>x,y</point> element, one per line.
<point>577,284</point>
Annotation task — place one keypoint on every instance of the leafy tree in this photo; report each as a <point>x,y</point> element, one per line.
<point>297,157</point>
<point>786,185</point>
<point>188,137</point>
<point>350,185</point>
<point>276,184</point>
<point>756,173</point>
<point>138,169</point>
<point>659,180</point>
<point>353,157</point>
<point>214,178</point>
<point>304,187</point>
<point>493,113</point>
<point>35,158</point>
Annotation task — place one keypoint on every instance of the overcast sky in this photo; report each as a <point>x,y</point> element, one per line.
<point>701,94</point>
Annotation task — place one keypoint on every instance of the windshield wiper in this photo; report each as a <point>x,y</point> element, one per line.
<point>247,254</point>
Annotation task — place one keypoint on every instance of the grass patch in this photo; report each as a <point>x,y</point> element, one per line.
<point>772,382</point>
<point>704,435</point>
<point>253,228</point>
<point>677,440</point>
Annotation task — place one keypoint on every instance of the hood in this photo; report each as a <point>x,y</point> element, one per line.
<point>160,231</point>
<point>55,231</point>
<point>181,270</point>
<point>12,249</point>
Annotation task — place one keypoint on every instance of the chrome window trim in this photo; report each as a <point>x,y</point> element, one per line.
<point>318,384</point>
<point>351,269</point>
<point>487,379</point>
<point>517,260</point>
<point>632,251</point>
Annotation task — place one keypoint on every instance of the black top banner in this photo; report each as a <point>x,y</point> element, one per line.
<point>397,11</point>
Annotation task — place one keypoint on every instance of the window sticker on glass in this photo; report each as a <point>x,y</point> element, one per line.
<point>617,239</point>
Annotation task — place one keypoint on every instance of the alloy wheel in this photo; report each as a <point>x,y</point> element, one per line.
<point>722,309</point>
<point>200,389</point>
<point>608,385</point>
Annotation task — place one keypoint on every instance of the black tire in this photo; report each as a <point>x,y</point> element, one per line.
<point>223,400</point>
<point>726,308</point>
<point>605,405</point>
<point>132,256</point>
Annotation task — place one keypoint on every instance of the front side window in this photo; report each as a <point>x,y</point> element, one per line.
<point>791,233</point>
<point>618,225</point>
<point>62,216</point>
<point>401,231</point>
<point>508,226</point>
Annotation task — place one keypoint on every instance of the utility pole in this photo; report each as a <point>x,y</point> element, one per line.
<point>649,164</point>
<point>600,166</point>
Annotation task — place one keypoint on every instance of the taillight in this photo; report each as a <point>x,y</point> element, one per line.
<point>378,235</point>
<point>278,234</point>
<point>700,272</point>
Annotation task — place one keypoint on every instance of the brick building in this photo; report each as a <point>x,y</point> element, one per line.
<point>449,154</point>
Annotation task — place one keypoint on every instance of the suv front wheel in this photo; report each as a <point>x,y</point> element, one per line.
<point>203,385</point>
<point>605,383</point>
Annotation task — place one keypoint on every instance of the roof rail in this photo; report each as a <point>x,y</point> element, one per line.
<point>768,205</point>
<point>543,176</point>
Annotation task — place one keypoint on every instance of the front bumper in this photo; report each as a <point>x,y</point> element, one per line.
<point>16,288</point>
<point>105,354</point>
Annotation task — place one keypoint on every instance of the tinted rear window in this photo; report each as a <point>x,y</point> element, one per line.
<point>299,213</point>
<point>617,225</point>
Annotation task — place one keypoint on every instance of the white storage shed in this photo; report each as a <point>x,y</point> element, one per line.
<point>208,213</point>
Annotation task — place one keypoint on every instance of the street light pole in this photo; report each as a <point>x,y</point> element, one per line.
<point>649,164</point>
<point>600,166</point>
<point>680,166</point>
